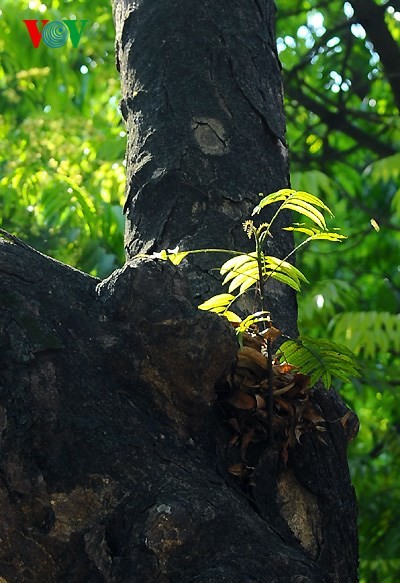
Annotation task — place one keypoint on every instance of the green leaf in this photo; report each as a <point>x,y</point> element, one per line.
<point>314,234</point>
<point>178,257</point>
<point>396,202</point>
<point>320,359</point>
<point>307,210</point>
<point>282,194</point>
<point>286,280</point>
<point>313,180</point>
<point>173,255</point>
<point>241,271</point>
<point>299,201</point>
<point>384,169</point>
<point>232,317</point>
<point>283,271</point>
<point>218,301</point>
<point>252,319</point>
<point>219,304</point>
<point>245,280</point>
<point>300,228</point>
<point>235,263</point>
<point>370,333</point>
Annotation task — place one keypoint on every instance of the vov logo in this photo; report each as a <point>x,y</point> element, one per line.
<point>55,33</point>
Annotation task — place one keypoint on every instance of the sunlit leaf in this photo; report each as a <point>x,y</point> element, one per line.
<point>237,265</point>
<point>314,234</point>
<point>300,201</point>
<point>232,317</point>
<point>244,281</point>
<point>320,359</point>
<point>283,271</point>
<point>219,304</point>
<point>174,256</point>
<point>218,301</point>
<point>253,319</point>
<point>307,210</point>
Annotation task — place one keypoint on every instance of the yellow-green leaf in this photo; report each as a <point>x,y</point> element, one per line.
<point>300,201</point>
<point>256,318</point>
<point>244,280</point>
<point>218,301</point>
<point>307,210</point>
<point>232,317</point>
<point>177,258</point>
<point>236,262</point>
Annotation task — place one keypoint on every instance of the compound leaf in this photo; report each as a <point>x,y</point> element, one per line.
<point>320,359</point>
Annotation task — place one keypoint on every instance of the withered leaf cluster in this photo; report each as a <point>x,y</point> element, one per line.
<point>245,404</point>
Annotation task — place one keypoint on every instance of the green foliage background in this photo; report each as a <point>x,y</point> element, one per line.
<point>62,143</point>
<point>62,178</point>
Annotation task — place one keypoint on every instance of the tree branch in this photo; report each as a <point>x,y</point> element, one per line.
<point>372,18</point>
<point>337,121</point>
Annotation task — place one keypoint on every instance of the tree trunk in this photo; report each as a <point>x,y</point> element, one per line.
<point>203,105</point>
<point>115,454</point>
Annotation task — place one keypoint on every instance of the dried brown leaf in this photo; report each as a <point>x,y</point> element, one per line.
<point>234,440</point>
<point>298,432</point>
<point>234,424</point>
<point>253,361</point>
<point>271,333</point>
<point>246,440</point>
<point>253,341</point>
<point>310,414</point>
<point>345,418</point>
<point>351,425</point>
<point>284,406</point>
<point>241,400</point>
<point>237,469</point>
<point>245,381</point>
<point>284,389</point>
<point>283,368</point>
<point>260,401</point>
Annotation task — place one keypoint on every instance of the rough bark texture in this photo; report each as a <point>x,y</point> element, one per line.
<point>114,453</point>
<point>203,105</point>
<point>113,458</point>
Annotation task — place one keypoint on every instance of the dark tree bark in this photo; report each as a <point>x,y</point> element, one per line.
<point>203,105</point>
<point>114,453</point>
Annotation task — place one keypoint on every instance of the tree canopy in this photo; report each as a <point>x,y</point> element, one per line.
<point>62,180</point>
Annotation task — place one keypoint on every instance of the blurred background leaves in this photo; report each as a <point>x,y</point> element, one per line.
<point>62,143</point>
<point>342,111</point>
<point>62,175</point>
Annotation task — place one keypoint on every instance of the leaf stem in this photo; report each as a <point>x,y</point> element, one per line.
<point>260,260</point>
<point>261,283</point>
